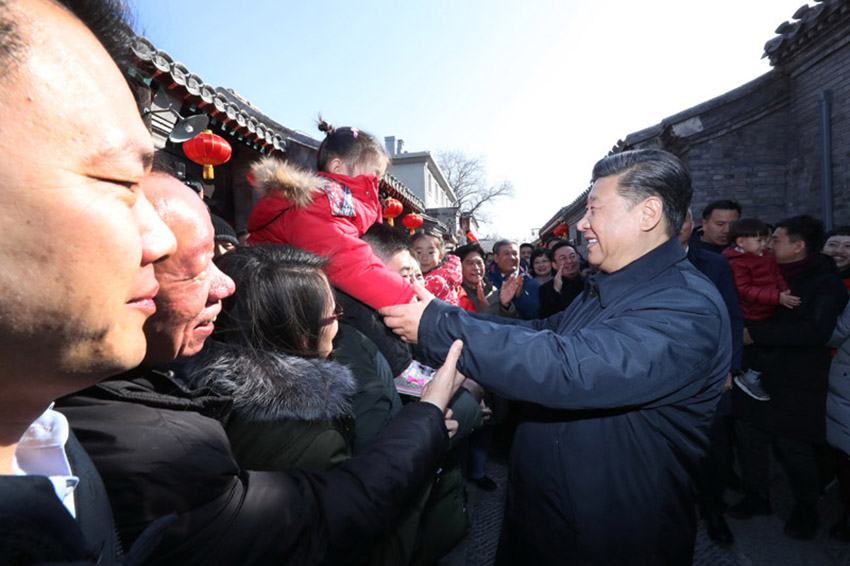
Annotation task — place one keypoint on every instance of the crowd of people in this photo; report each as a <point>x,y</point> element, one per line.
<point>324,392</point>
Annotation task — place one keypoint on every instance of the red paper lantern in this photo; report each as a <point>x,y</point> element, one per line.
<point>207,149</point>
<point>392,208</point>
<point>561,230</point>
<point>412,221</point>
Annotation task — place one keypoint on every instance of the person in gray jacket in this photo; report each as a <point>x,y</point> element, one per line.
<point>838,418</point>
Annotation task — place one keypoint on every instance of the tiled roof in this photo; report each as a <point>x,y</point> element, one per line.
<point>809,21</point>
<point>227,109</point>
<point>396,189</point>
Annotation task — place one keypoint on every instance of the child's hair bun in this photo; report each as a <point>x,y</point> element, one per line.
<point>325,127</point>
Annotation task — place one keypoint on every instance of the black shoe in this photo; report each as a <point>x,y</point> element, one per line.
<point>840,530</point>
<point>718,530</point>
<point>803,522</point>
<point>749,506</point>
<point>484,483</point>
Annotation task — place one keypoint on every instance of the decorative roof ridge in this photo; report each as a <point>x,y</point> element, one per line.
<point>808,22</point>
<point>235,114</point>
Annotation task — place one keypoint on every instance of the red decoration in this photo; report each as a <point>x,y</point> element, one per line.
<point>412,221</point>
<point>471,237</point>
<point>250,177</point>
<point>392,208</point>
<point>207,149</point>
<point>562,230</point>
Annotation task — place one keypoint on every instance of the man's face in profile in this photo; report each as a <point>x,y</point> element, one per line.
<point>77,280</point>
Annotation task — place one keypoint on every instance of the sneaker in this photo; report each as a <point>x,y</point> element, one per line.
<point>750,383</point>
<point>803,522</point>
<point>749,506</point>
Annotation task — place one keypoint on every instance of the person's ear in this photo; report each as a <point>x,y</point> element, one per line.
<point>651,213</point>
<point>336,166</point>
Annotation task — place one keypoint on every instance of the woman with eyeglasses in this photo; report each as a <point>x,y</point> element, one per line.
<point>291,405</point>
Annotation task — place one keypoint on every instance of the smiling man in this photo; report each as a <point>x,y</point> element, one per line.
<point>619,390</point>
<point>76,267</point>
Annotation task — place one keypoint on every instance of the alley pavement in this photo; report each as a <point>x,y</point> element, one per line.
<point>758,541</point>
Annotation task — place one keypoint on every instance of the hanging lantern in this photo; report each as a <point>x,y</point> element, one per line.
<point>392,208</point>
<point>562,230</point>
<point>471,237</point>
<point>207,149</point>
<point>412,221</point>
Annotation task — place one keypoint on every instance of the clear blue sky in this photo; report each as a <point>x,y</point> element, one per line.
<point>540,89</point>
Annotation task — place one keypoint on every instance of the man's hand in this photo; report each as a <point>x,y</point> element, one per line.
<point>511,288</point>
<point>451,424</point>
<point>728,385</point>
<point>747,338</point>
<point>446,381</point>
<point>558,281</point>
<point>789,301</point>
<point>404,319</point>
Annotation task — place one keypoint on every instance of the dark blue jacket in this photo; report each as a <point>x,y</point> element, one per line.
<point>528,302</point>
<point>620,391</point>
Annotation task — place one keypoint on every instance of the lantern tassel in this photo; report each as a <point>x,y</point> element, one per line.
<point>390,220</point>
<point>208,171</point>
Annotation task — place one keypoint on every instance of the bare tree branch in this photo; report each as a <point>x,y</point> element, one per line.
<point>468,178</point>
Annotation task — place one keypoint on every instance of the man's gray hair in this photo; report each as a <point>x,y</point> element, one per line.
<point>498,245</point>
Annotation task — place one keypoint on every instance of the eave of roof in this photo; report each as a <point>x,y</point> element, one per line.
<point>226,109</point>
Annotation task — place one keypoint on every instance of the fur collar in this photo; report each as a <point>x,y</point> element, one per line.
<point>268,385</point>
<point>273,176</point>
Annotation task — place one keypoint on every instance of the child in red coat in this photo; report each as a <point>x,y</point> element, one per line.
<point>759,283</point>
<point>327,212</point>
<point>443,276</point>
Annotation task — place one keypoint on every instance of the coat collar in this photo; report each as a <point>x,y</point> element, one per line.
<point>608,286</point>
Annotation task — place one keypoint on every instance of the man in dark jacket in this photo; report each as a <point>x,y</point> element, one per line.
<point>506,270</point>
<point>161,448</point>
<point>620,388</point>
<point>792,349</point>
<point>76,265</point>
<point>717,465</point>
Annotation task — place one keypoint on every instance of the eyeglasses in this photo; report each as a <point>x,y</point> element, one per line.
<point>334,317</point>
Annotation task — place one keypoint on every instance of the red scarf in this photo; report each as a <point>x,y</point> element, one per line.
<point>795,268</point>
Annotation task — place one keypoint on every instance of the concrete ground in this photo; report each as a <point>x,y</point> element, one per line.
<point>758,541</point>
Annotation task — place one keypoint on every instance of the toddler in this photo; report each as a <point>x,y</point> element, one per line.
<point>327,212</point>
<point>443,274</point>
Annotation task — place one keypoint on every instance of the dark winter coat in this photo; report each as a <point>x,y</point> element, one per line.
<point>552,302</point>
<point>160,448</point>
<point>758,282</point>
<point>791,350</point>
<point>620,391</point>
<point>375,402</point>
<point>36,528</point>
<point>288,412</point>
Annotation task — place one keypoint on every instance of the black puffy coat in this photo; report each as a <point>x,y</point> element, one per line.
<point>161,449</point>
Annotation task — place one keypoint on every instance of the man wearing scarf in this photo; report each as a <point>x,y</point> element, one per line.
<point>792,349</point>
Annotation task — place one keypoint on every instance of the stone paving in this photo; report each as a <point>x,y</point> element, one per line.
<point>758,541</point>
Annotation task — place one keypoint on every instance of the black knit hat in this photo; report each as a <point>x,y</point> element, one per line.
<point>223,231</point>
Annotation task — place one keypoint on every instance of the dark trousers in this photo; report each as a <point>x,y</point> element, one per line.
<point>842,469</point>
<point>715,469</point>
<point>795,456</point>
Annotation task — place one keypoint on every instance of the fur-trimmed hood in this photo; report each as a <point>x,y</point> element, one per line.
<point>267,385</point>
<point>294,184</point>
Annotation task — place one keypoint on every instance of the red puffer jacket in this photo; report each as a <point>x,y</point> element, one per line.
<point>326,214</point>
<point>758,282</point>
